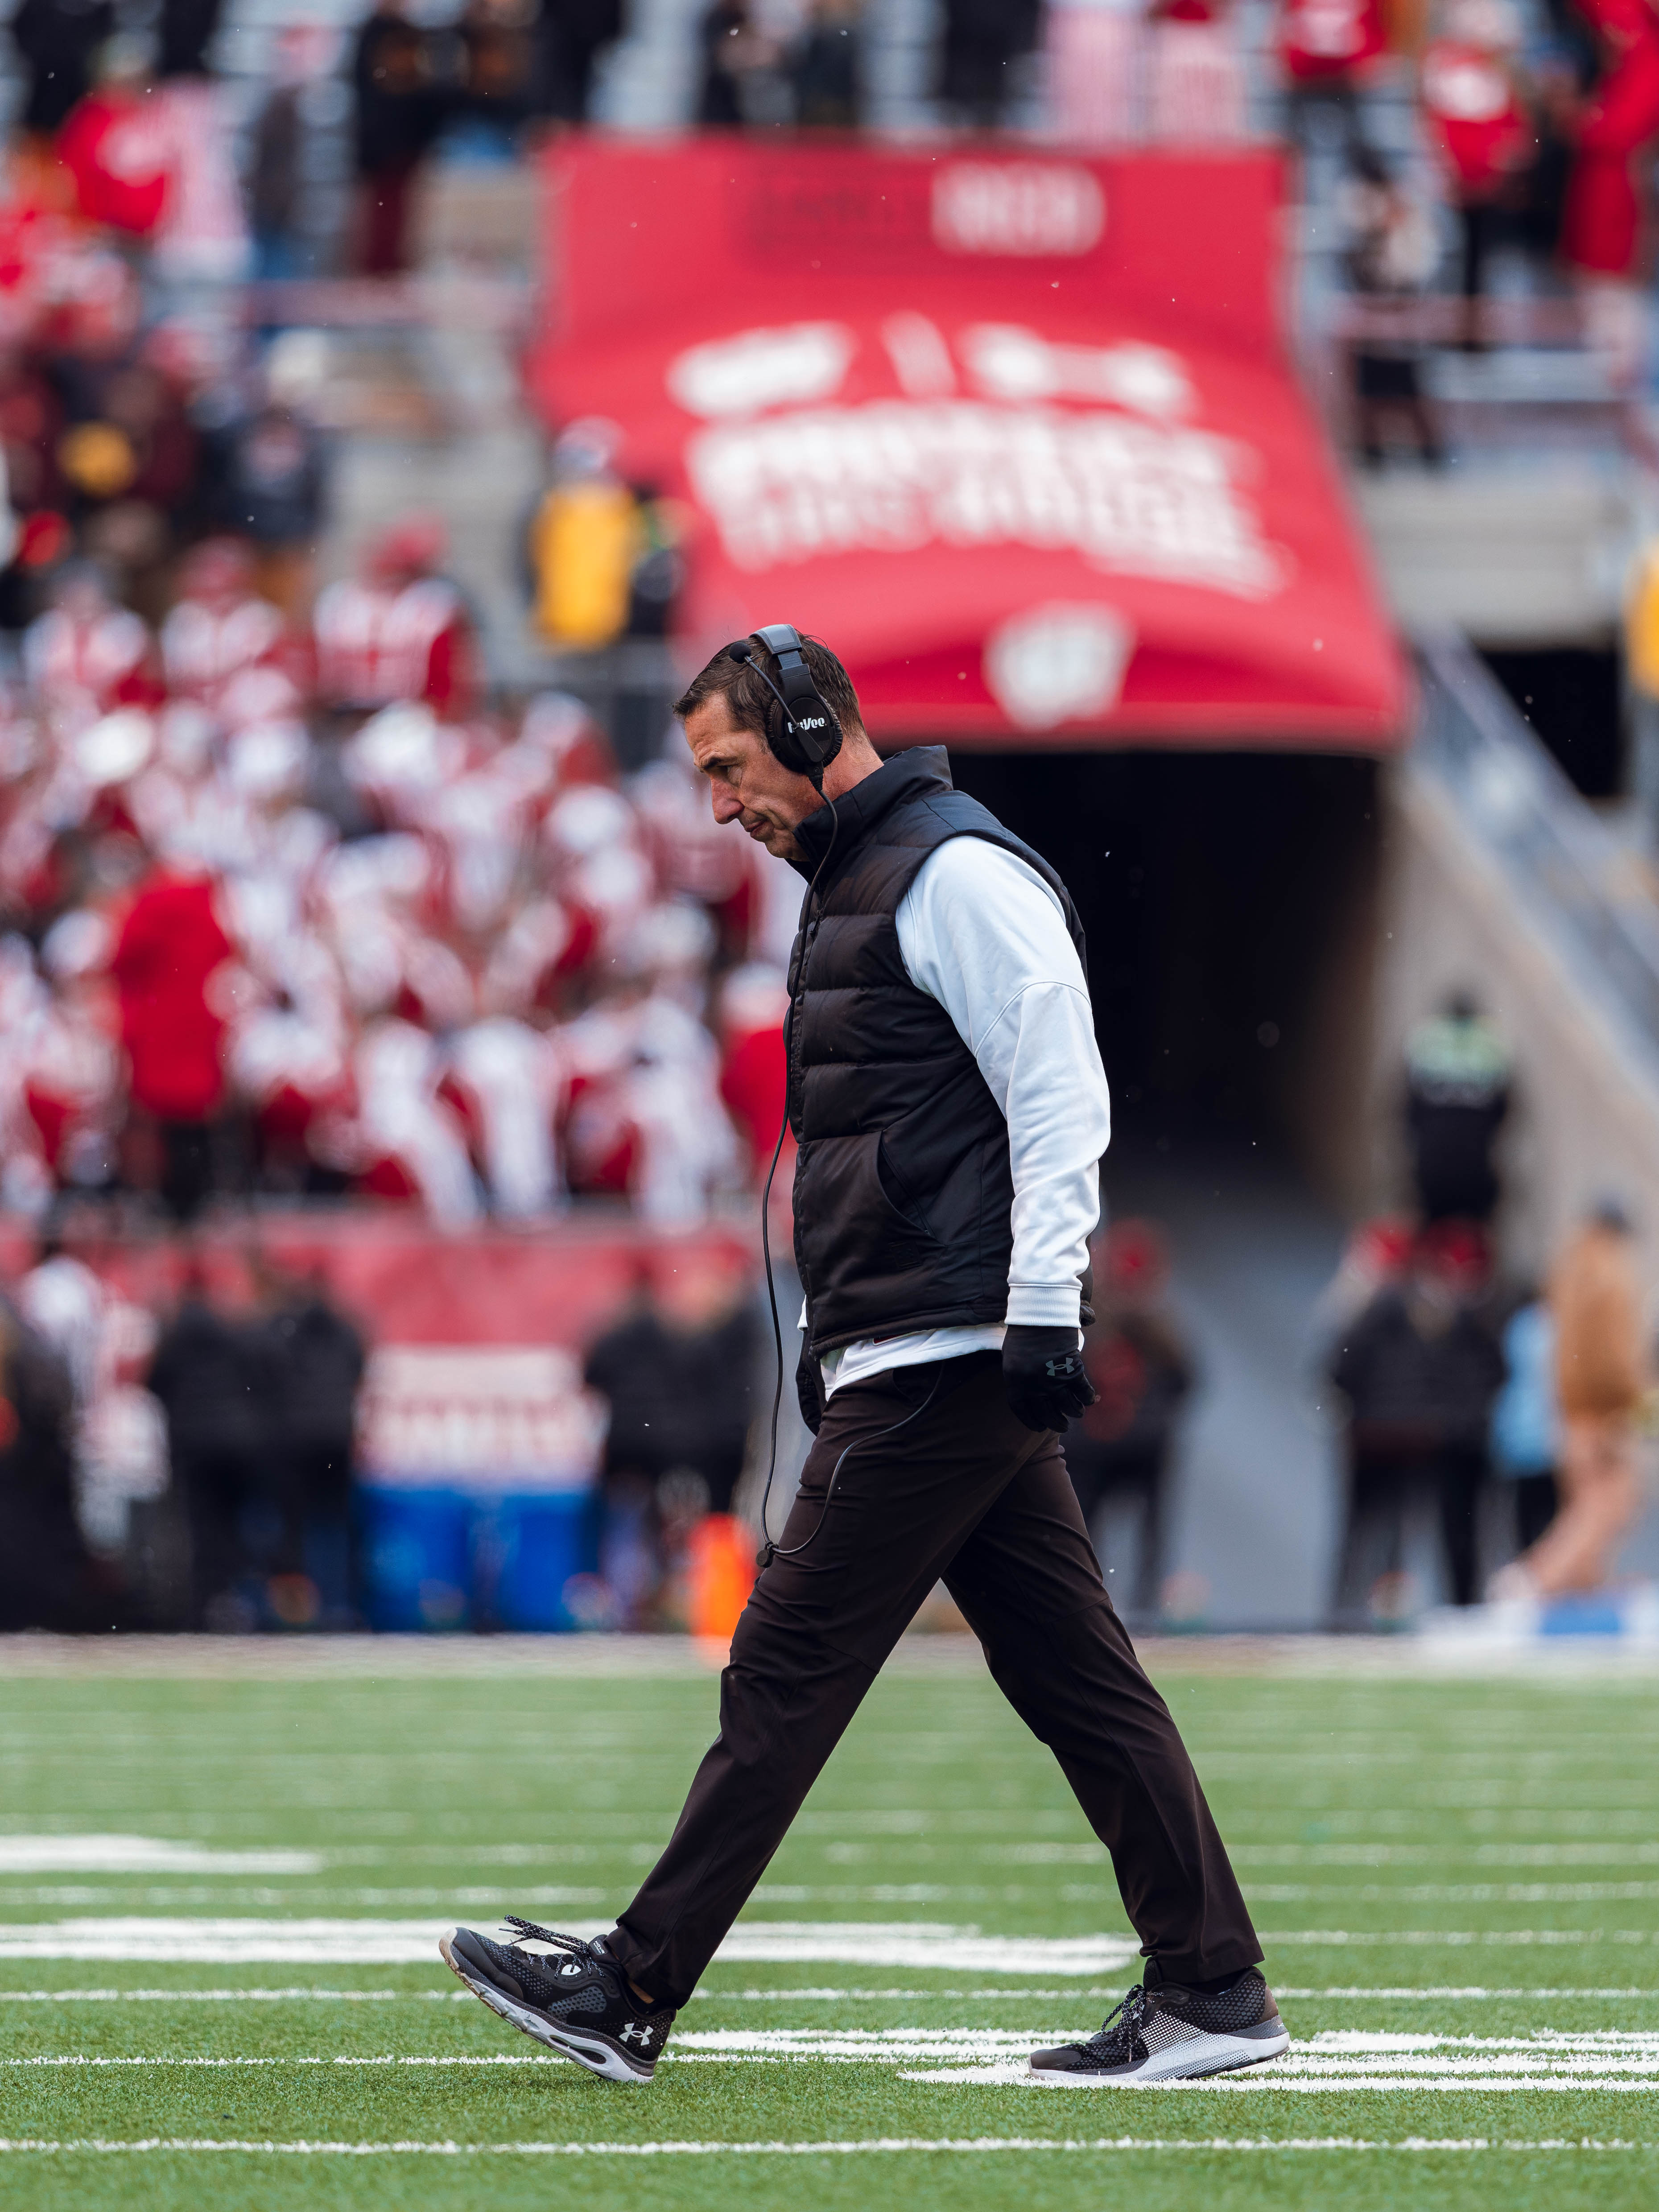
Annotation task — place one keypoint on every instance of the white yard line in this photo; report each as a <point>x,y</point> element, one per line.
<point>386,1942</point>
<point>1013,2074</point>
<point>963,2145</point>
<point>226,1897</point>
<point>933,1946</point>
<point>1431,1893</point>
<point>82,1854</point>
<point>1337,2062</point>
<point>236,1997</point>
<point>362,1898</point>
<point>1450,1991</point>
<point>1363,1855</point>
<point>1453,1938</point>
<point>1443,1992</point>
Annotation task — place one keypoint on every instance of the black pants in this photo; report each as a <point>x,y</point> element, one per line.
<point>186,1167</point>
<point>1460,1478</point>
<point>1535,1504</point>
<point>218,1487</point>
<point>1380,1495</point>
<point>961,1491</point>
<point>1484,228</point>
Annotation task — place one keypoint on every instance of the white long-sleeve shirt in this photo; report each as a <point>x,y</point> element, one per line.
<point>982,933</point>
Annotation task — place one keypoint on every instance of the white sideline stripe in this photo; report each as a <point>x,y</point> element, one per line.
<point>142,1855</point>
<point>933,1946</point>
<point>1018,1995</point>
<point>1338,2059</point>
<point>1364,1855</point>
<point>69,1854</point>
<point>229,1897</point>
<point>972,2145</point>
<point>1343,1938</point>
<point>1287,1992</point>
<point>238,1996</point>
<point>1011,2075</point>
<point>1449,1991</point>
<point>1482,1893</point>
<point>389,1942</point>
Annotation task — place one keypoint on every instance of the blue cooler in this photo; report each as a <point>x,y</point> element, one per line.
<point>417,1556</point>
<point>526,1545</point>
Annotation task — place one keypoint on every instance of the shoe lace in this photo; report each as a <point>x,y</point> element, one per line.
<point>1118,2042</point>
<point>579,1944</point>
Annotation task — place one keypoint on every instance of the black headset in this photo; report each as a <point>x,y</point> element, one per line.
<point>801,729</point>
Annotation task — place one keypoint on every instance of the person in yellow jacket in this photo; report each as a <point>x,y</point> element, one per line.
<point>1601,1376</point>
<point>584,538</point>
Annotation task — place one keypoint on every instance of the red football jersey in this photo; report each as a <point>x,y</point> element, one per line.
<point>118,147</point>
<point>1325,38</point>
<point>1470,106</point>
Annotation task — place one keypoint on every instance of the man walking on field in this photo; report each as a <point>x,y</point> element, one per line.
<point>948,1098</point>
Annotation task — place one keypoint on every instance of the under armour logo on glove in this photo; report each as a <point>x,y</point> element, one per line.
<point>1043,1375</point>
<point>632,2033</point>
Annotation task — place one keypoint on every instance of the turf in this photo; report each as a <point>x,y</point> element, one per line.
<point>1495,1837</point>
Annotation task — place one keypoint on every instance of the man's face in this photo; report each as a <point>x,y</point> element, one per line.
<point>747,782</point>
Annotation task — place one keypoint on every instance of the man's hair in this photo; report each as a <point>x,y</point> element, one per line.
<point>749,696</point>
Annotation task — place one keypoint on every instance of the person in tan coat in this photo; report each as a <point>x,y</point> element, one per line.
<point>1602,1373</point>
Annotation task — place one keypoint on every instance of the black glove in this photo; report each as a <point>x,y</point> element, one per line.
<point>809,1387</point>
<point>1043,1375</point>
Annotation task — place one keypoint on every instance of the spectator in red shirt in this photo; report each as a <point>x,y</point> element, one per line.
<point>1474,113</point>
<point>170,946</point>
<point>1610,132</point>
<point>116,145</point>
<point>1325,46</point>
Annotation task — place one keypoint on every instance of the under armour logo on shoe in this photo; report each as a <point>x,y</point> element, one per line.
<point>633,2033</point>
<point>1064,1369</point>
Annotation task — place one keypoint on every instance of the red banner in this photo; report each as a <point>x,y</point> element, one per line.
<point>1015,433</point>
<point>405,1284</point>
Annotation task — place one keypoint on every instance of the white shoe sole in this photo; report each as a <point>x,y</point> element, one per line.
<point>596,2057</point>
<point>1181,2062</point>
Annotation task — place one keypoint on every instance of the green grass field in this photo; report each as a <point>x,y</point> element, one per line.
<point>1457,1882</point>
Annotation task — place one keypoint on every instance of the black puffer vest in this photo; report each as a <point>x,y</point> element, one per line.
<point>904,1196</point>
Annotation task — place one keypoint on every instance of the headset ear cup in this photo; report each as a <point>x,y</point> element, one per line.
<point>778,738</point>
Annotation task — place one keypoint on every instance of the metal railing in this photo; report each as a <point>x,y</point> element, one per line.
<point>1567,869</point>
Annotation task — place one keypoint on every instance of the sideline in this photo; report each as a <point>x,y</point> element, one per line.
<point>972,2145</point>
<point>1567,1661</point>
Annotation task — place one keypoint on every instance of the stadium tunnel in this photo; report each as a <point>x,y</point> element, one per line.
<point>1230,904</point>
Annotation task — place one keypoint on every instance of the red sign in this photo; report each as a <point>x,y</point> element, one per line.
<point>405,1283</point>
<point>1015,433</point>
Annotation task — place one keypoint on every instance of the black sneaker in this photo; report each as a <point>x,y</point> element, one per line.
<point>578,2003</point>
<point>1167,2033</point>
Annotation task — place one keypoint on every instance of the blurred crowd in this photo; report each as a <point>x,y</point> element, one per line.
<point>1539,128</point>
<point>291,912</point>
